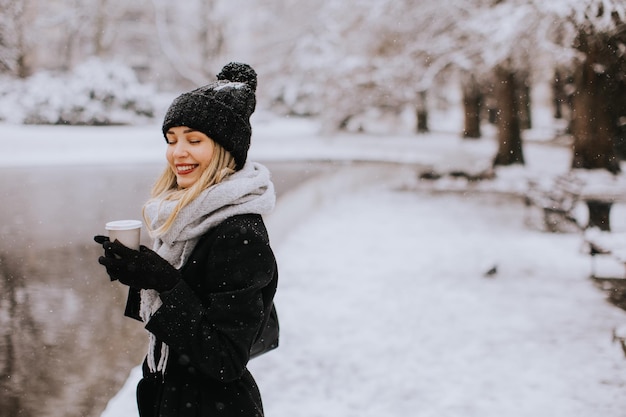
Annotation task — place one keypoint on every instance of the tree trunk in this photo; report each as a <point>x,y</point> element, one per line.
<point>509,134</point>
<point>599,215</point>
<point>592,126</point>
<point>472,104</point>
<point>421,112</point>
<point>524,108</point>
<point>619,139</point>
<point>559,97</point>
<point>15,53</point>
<point>168,46</point>
<point>100,26</point>
<point>210,35</point>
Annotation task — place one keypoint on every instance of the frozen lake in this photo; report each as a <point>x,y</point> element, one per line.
<point>63,338</point>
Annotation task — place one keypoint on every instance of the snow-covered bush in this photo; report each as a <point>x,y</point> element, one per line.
<point>94,93</point>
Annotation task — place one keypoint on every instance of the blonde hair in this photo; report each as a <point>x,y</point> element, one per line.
<point>166,187</point>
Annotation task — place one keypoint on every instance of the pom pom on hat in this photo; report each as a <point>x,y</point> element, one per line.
<point>238,72</point>
<point>221,110</point>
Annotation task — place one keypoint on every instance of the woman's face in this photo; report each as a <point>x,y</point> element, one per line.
<point>188,154</point>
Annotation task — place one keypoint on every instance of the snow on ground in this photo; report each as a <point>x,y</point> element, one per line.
<point>286,139</point>
<point>386,312</point>
<point>383,302</point>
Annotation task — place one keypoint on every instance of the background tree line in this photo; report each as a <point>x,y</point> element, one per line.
<point>342,61</point>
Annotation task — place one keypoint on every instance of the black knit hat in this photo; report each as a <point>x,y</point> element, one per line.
<point>221,110</point>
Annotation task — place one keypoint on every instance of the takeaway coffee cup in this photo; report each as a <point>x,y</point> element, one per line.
<point>127,232</point>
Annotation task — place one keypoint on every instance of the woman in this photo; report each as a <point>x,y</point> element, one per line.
<point>205,290</point>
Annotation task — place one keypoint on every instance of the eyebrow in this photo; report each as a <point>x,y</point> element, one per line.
<point>169,132</point>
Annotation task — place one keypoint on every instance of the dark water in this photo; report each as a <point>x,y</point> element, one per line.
<point>64,344</point>
<point>65,347</point>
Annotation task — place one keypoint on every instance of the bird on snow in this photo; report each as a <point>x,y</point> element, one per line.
<point>491,272</point>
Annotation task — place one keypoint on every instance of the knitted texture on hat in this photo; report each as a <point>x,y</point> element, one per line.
<point>221,110</point>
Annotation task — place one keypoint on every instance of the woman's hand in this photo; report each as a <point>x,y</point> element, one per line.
<point>138,269</point>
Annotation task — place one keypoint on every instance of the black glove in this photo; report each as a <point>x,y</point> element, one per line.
<point>138,269</point>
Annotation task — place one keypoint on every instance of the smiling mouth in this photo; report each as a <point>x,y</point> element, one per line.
<point>185,169</point>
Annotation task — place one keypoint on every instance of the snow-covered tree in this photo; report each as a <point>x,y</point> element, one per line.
<point>507,31</point>
<point>76,30</point>
<point>14,37</point>
<point>191,37</point>
<point>517,39</point>
<point>597,30</point>
<point>358,60</point>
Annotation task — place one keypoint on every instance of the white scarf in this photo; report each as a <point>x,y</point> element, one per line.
<point>247,191</point>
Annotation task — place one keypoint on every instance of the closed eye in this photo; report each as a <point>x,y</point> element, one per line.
<point>194,139</point>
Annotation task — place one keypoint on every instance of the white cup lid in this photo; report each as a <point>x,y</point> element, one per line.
<point>123,225</point>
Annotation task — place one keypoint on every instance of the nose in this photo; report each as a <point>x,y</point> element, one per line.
<point>180,149</point>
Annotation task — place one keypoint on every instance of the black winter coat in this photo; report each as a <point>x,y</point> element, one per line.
<point>210,320</point>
